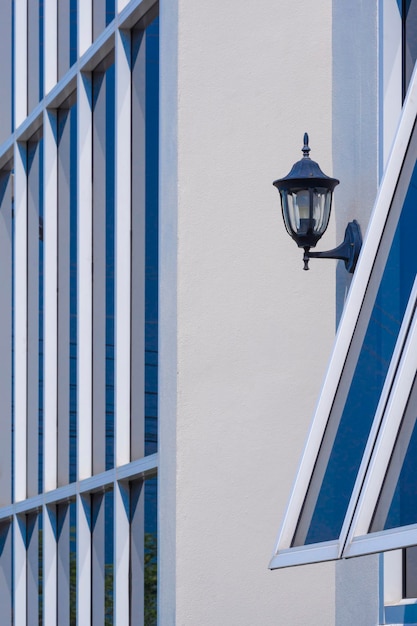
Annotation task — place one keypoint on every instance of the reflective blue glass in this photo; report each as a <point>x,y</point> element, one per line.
<point>151,269</point>
<point>397,503</point>
<point>328,499</point>
<point>151,552</point>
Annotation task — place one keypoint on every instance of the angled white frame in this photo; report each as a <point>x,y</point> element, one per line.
<point>360,540</point>
<point>284,554</point>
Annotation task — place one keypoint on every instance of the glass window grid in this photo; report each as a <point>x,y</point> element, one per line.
<point>51,503</point>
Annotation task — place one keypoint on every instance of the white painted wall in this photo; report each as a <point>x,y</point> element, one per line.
<point>245,333</point>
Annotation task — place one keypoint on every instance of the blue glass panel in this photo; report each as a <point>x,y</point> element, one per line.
<point>73,31</point>
<point>110,8</point>
<point>151,269</point>
<point>151,552</point>
<point>397,503</point>
<point>348,445</point>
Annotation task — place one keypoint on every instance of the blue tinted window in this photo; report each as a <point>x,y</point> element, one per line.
<point>338,476</point>
<point>397,504</point>
<point>151,270</point>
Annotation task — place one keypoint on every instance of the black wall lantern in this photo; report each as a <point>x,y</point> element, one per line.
<point>306,201</point>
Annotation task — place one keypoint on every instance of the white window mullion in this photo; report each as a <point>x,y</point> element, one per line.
<point>137,549</point>
<point>120,4</point>
<point>85,25</point>
<point>50,301</point>
<point>122,554</point>
<point>50,44</point>
<point>20,325</point>
<point>123,249</point>
<point>83,559</point>
<point>19,571</point>
<point>85,285</point>
<point>6,230</point>
<point>49,566</point>
<point>20,61</point>
<point>138,253</point>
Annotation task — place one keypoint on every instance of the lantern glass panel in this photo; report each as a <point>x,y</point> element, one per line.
<point>306,210</point>
<point>321,209</point>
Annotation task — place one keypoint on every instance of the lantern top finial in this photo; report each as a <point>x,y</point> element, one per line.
<point>306,148</point>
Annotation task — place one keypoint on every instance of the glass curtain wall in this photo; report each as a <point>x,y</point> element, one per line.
<point>78,471</point>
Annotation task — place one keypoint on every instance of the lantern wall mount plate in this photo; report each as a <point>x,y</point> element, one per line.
<point>306,202</point>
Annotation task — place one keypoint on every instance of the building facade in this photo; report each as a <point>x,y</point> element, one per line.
<point>162,351</point>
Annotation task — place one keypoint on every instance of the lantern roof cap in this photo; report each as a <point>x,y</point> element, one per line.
<point>306,173</point>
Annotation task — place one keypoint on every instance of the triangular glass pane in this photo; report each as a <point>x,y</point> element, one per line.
<point>397,503</point>
<point>386,512</point>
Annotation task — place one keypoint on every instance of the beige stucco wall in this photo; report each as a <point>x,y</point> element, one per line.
<point>245,333</point>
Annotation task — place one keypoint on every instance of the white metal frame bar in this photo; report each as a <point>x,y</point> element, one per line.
<point>123,268</point>
<point>50,300</point>
<point>85,278</point>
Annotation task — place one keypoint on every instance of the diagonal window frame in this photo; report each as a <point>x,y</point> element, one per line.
<point>360,539</point>
<point>285,554</point>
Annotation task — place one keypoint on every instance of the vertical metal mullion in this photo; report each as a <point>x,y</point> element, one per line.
<point>33,318</point>
<point>50,41</point>
<point>97,558</point>
<point>19,571</point>
<point>50,450</point>
<point>6,338</point>
<point>121,579</point>
<point>20,62</point>
<point>123,270</point>
<point>20,326</point>
<point>63,52</point>
<point>120,5</point>
<point>6,99</point>
<point>84,595</point>
<point>99,17</point>
<point>32,571</point>
<point>123,204</point>
<point>50,300</point>
<point>6,585</point>
<point>137,557</point>
<point>33,54</point>
<point>49,540</point>
<point>99,273</point>
<point>63,261</point>
<point>85,25</point>
<point>63,564</point>
<point>403,48</point>
<point>138,187</point>
<point>85,260</point>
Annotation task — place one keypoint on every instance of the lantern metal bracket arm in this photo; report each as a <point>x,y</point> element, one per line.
<point>348,251</point>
